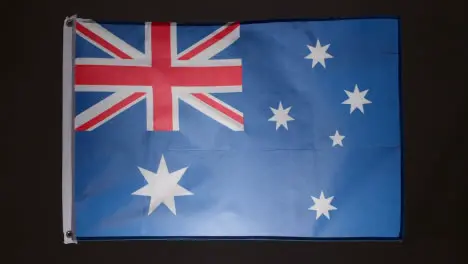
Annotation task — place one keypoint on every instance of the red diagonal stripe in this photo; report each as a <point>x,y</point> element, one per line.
<point>228,112</point>
<point>209,42</point>
<point>112,110</point>
<point>91,35</point>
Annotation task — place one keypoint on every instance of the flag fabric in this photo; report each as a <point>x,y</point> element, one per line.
<point>286,129</point>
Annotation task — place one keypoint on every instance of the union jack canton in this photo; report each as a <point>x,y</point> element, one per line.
<point>161,75</point>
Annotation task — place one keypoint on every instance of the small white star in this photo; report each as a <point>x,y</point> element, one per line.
<point>356,99</point>
<point>318,54</point>
<point>322,205</point>
<point>162,186</point>
<point>337,139</point>
<point>281,116</point>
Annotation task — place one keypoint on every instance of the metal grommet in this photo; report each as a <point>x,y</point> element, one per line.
<point>69,234</point>
<point>69,22</point>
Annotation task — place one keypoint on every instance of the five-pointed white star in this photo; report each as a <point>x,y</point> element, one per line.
<point>318,54</point>
<point>322,205</point>
<point>162,186</point>
<point>337,139</point>
<point>356,99</point>
<point>281,116</point>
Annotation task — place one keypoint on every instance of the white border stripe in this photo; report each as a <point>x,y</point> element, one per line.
<point>149,89</point>
<point>112,39</point>
<point>211,112</point>
<point>148,41</point>
<point>173,41</point>
<point>175,111</point>
<point>149,110</point>
<point>67,133</point>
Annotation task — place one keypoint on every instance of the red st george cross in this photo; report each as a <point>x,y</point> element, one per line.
<point>161,75</point>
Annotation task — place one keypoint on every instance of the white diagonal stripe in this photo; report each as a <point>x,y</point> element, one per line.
<point>96,44</point>
<point>218,46</point>
<point>205,39</point>
<point>112,39</point>
<point>211,112</point>
<point>102,106</point>
<point>204,56</point>
<point>232,109</point>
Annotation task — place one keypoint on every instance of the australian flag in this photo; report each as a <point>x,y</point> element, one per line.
<point>286,129</point>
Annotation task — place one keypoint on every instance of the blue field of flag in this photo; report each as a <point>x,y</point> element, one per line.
<point>305,143</point>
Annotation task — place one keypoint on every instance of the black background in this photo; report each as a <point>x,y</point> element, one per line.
<point>434,115</point>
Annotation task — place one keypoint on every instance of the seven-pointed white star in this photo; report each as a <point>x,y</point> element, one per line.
<point>318,54</point>
<point>337,139</point>
<point>281,116</point>
<point>356,99</point>
<point>162,186</point>
<point>322,205</point>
